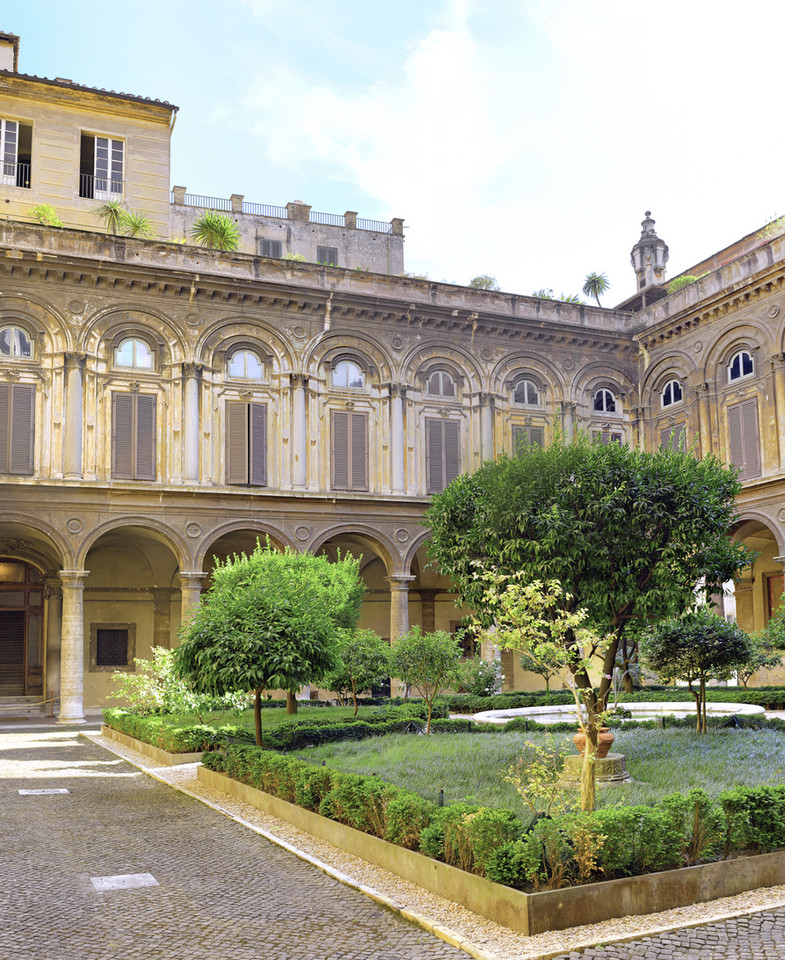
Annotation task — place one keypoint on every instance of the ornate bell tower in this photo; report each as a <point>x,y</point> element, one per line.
<point>649,256</point>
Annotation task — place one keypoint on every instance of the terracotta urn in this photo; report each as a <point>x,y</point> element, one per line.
<point>604,740</point>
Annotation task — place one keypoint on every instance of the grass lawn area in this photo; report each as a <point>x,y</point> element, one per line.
<point>470,766</point>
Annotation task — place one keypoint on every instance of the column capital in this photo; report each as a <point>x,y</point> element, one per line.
<point>487,399</point>
<point>397,389</point>
<point>191,578</point>
<point>193,370</point>
<point>299,379</point>
<point>74,361</point>
<point>73,578</point>
<point>400,581</point>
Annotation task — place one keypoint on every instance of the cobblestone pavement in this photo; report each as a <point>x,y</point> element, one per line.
<point>757,936</point>
<point>223,892</point>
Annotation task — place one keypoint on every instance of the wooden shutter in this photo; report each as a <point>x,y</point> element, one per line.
<point>17,428</point>
<point>435,459</point>
<point>672,437</point>
<point>145,437</point>
<point>133,435</point>
<point>537,436</point>
<point>743,439</point>
<point>22,429</point>
<point>359,451</point>
<point>123,436</point>
<point>526,437</point>
<point>452,452</point>
<point>236,442</point>
<point>339,450</point>
<point>257,447</point>
<point>749,424</point>
<point>349,450</point>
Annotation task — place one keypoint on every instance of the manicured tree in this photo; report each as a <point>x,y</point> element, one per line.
<point>216,231</point>
<point>695,647</point>
<point>364,663</point>
<point>763,656</point>
<point>595,285</point>
<point>627,534</point>
<point>270,621</point>
<point>532,665</point>
<point>429,662</point>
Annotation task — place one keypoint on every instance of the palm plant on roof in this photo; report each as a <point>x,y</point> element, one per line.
<point>595,286</point>
<point>112,213</point>
<point>216,231</point>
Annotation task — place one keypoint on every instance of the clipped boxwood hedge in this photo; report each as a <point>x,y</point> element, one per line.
<point>680,830</point>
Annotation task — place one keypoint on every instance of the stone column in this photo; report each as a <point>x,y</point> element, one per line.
<point>74,416</point>
<point>192,374</point>
<point>568,420</point>
<point>299,382</point>
<point>162,617</point>
<point>745,607</point>
<point>397,438</point>
<point>53,597</point>
<point>487,407</point>
<point>778,363</point>
<point>428,609</point>
<point>704,420</point>
<point>399,616</point>
<point>72,647</point>
<point>190,593</point>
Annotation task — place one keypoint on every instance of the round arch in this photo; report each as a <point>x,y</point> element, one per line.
<point>161,532</point>
<point>745,335</point>
<point>349,344</point>
<point>247,531</point>
<point>157,327</point>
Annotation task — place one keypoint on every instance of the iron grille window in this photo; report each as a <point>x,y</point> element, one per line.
<point>111,648</point>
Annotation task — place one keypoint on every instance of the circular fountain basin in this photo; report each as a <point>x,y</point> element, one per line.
<point>640,711</point>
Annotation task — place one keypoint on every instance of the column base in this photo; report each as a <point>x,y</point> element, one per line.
<point>77,719</point>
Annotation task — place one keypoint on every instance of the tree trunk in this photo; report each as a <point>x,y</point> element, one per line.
<point>703,705</point>
<point>588,788</point>
<point>257,715</point>
<point>291,702</point>
<point>697,696</point>
<point>354,697</point>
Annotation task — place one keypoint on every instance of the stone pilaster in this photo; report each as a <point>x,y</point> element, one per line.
<point>72,647</point>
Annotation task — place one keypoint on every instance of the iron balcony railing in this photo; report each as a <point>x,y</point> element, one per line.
<point>265,210</point>
<point>331,219</point>
<point>15,174</point>
<point>99,188</point>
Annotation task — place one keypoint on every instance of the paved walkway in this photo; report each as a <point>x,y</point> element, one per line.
<point>222,893</point>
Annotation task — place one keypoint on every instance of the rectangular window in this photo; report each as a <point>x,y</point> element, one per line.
<point>527,437</point>
<point>328,255</point>
<point>743,439</point>
<point>672,438</point>
<point>112,647</point>
<point>270,248</point>
<point>16,144</point>
<point>101,168</point>
<point>442,439</point>
<point>133,436</point>
<point>17,428</point>
<point>349,450</point>
<point>246,443</point>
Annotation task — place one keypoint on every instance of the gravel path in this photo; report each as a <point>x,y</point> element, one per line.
<point>649,936</point>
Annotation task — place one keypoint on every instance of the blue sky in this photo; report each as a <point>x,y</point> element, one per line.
<point>518,138</point>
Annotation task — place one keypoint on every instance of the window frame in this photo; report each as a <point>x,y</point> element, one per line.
<point>738,355</point>
<point>744,438</point>
<point>246,443</point>
<point>529,430</point>
<point>441,374</point>
<point>247,351</point>
<point>349,469</point>
<point>93,171</point>
<point>324,255</point>
<point>18,328</point>
<point>275,245</point>
<point>134,339</point>
<point>128,444</point>
<point>609,392</point>
<point>530,383</point>
<point>671,384</point>
<point>129,667</point>
<point>17,429</point>
<point>355,363</point>
<point>442,459</point>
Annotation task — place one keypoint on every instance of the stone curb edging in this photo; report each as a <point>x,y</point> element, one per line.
<point>438,930</point>
<point>164,758</point>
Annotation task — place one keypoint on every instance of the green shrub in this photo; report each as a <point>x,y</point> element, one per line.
<point>754,818</point>
<point>408,814</point>
<point>640,839</point>
<point>488,829</point>
<point>312,786</point>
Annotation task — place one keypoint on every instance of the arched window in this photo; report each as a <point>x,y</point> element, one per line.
<point>440,384</point>
<point>133,353</point>
<point>14,342</point>
<point>348,376</point>
<point>741,365</point>
<point>526,391</point>
<point>604,401</point>
<point>245,365</point>
<point>671,393</point>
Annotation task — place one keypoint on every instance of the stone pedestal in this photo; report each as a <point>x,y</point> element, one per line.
<point>611,771</point>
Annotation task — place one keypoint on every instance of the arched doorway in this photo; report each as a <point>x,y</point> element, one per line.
<point>757,591</point>
<point>22,654</point>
